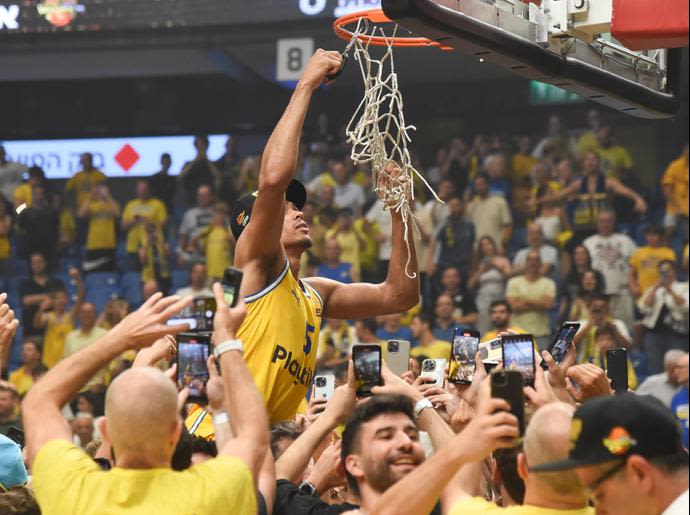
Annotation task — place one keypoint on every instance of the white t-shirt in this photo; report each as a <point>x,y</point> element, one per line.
<point>188,290</point>
<point>547,253</point>
<point>350,195</point>
<point>11,177</point>
<point>195,220</point>
<point>611,256</point>
<point>489,216</point>
<point>383,219</point>
<point>679,506</point>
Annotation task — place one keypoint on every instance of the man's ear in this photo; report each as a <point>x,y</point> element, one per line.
<point>102,425</point>
<point>176,431</point>
<point>522,469</point>
<point>640,474</point>
<point>353,465</point>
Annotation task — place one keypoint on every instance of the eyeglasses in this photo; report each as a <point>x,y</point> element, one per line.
<point>593,487</point>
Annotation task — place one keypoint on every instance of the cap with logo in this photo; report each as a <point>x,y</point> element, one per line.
<point>612,428</point>
<point>12,470</point>
<point>242,211</point>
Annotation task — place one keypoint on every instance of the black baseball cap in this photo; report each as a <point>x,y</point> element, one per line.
<point>614,427</point>
<point>242,211</point>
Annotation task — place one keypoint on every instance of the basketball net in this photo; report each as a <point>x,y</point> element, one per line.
<point>378,132</point>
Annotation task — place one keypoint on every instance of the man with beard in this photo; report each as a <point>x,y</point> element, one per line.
<point>501,313</point>
<point>281,330</point>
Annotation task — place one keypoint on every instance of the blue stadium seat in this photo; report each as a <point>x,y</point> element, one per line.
<point>180,279</point>
<point>20,268</point>
<point>100,295</point>
<point>101,279</point>
<point>66,262</point>
<point>69,286</point>
<point>640,363</point>
<point>131,288</point>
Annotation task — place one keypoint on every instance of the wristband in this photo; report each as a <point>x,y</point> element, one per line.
<point>227,346</point>
<point>421,405</point>
<point>308,488</point>
<point>220,418</point>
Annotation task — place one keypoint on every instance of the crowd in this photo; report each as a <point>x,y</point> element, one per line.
<point>532,232</point>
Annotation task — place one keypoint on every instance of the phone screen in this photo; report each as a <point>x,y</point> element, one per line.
<point>462,364</point>
<point>518,354</point>
<point>232,279</point>
<point>559,346</point>
<point>192,352</point>
<point>367,359</point>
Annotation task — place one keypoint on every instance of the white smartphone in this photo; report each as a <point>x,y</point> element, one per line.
<point>324,386</point>
<point>436,369</point>
<point>398,359</point>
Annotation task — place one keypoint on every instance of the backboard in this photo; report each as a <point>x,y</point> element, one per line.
<point>566,43</point>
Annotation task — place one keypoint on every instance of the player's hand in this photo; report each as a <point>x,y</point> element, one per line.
<point>321,65</point>
<point>227,321</point>
<point>148,323</point>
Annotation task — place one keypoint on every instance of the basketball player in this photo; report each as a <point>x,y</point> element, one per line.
<point>281,331</point>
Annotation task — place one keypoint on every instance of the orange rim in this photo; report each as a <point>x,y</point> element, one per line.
<point>378,16</point>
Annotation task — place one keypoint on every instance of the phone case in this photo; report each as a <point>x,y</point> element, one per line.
<point>507,384</point>
<point>200,339</point>
<point>506,341</point>
<point>575,326</point>
<point>398,358</point>
<point>455,374</point>
<point>324,385</point>
<point>434,368</point>
<point>365,383</point>
<point>617,369</point>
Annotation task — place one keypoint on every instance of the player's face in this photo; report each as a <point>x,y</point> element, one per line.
<point>295,228</point>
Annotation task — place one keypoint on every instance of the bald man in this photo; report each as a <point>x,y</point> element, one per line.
<point>143,426</point>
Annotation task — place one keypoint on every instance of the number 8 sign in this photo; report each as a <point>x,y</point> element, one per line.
<point>293,56</point>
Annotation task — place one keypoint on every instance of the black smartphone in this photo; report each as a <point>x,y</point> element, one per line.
<point>232,279</point>
<point>617,369</point>
<point>508,384</point>
<point>16,435</point>
<point>367,360</point>
<point>193,349</point>
<point>518,354</point>
<point>563,338</point>
<point>462,354</point>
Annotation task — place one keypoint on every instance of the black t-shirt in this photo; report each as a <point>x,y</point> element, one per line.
<point>40,230</point>
<point>199,175</point>
<point>163,185</point>
<point>30,287</point>
<point>464,302</point>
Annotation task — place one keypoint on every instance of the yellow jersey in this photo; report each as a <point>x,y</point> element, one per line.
<point>218,256</point>
<point>101,234</point>
<point>68,227</point>
<point>676,175</point>
<point>281,335</point>
<point>83,182</point>
<point>22,380</point>
<point>57,330</point>
<point>439,349</point>
<point>152,209</point>
<point>22,195</point>
<point>645,262</point>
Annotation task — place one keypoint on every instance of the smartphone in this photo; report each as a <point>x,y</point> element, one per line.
<point>398,356</point>
<point>462,354</point>
<point>491,350</point>
<point>232,279</point>
<point>561,341</point>
<point>324,386</point>
<point>193,349</point>
<point>518,354</point>
<point>508,384</point>
<point>16,435</point>
<point>617,369</point>
<point>436,369</point>
<point>367,359</point>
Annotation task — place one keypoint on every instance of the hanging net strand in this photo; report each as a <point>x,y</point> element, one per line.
<point>378,132</point>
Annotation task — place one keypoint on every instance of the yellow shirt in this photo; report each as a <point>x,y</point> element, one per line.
<point>645,262</point>
<point>68,227</point>
<point>437,350</point>
<point>55,337</point>
<point>66,480</point>
<point>281,335</point>
<point>21,380</point>
<point>676,175</point>
<point>83,182</point>
<point>477,505</point>
<point>200,423</point>
<point>152,210</point>
<point>370,252</point>
<point>217,251</point>
<point>5,243</point>
<point>522,168</point>
<point>22,194</point>
<point>615,161</point>
<point>536,322</point>
<point>349,247</point>
<point>101,233</point>
<point>587,142</point>
<point>490,335</point>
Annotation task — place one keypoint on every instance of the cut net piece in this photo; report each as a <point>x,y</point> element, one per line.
<point>379,134</point>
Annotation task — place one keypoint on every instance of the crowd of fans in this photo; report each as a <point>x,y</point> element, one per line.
<point>532,232</point>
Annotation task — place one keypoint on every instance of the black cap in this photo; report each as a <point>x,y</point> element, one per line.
<point>615,427</point>
<point>242,211</point>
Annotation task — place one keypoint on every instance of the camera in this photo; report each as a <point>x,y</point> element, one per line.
<point>429,366</point>
<point>320,382</point>
<point>393,346</point>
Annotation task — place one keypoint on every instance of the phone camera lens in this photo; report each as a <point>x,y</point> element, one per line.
<point>393,346</point>
<point>320,382</point>
<point>429,366</point>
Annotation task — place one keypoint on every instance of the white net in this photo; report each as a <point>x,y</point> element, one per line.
<point>378,132</point>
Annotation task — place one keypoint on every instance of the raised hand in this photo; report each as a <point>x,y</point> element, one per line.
<point>215,390</point>
<point>344,399</point>
<point>328,471</point>
<point>227,321</point>
<point>394,385</point>
<point>148,323</point>
<point>587,381</point>
<point>321,64</point>
<point>8,326</point>
<point>541,394</point>
<point>163,348</point>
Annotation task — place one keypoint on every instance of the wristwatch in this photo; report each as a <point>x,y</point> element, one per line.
<point>307,488</point>
<point>227,346</point>
<point>421,405</point>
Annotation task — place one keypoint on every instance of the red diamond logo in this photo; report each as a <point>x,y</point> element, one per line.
<point>127,157</point>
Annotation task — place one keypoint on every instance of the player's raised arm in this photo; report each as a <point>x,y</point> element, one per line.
<point>261,240</point>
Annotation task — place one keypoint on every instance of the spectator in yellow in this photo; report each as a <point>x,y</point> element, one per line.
<point>23,378</point>
<point>68,226</point>
<point>427,345</point>
<point>523,162</point>
<point>52,315</point>
<point>644,263</point>
<point>5,247</point>
<point>588,142</point>
<point>615,159</point>
<point>349,240</point>
<point>217,242</point>
<point>22,195</point>
<point>606,339</point>
<point>335,343</point>
<point>84,180</point>
<point>143,210</point>
<point>675,186</point>
<point>101,210</point>
<point>153,257</point>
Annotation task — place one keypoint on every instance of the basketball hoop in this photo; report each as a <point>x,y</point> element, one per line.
<point>377,131</point>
